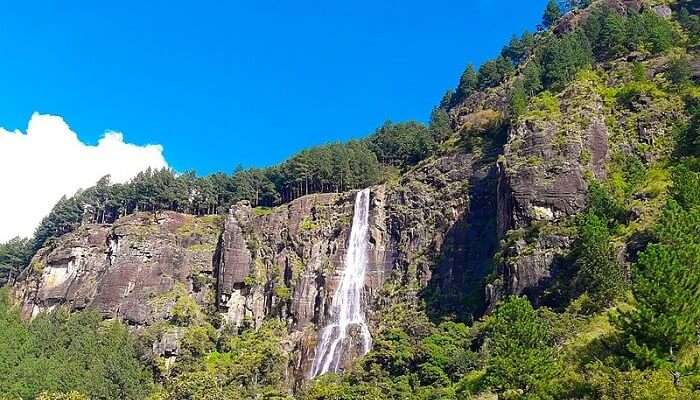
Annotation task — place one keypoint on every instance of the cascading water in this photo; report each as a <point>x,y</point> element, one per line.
<point>346,307</point>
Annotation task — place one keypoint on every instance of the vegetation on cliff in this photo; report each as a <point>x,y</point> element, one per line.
<point>619,319</point>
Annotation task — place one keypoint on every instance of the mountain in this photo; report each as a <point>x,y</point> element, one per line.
<point>539,240</point>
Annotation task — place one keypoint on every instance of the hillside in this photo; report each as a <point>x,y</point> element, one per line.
<point>539,239</point>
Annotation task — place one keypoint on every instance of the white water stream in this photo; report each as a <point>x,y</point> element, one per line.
<point>346,307</point>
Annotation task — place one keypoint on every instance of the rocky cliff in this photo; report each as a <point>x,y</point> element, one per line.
<point>282,262</point>
<point>488,215</point>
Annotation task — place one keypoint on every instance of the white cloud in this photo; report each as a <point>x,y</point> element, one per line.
<point>50,161</point>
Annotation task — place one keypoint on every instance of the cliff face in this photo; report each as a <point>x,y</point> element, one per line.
<point>283,262</point>
<point>489,215</point>
<point>433,237</point>
<point>119,269</point>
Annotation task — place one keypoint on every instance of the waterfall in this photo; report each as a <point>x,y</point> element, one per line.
<point>346,307</point>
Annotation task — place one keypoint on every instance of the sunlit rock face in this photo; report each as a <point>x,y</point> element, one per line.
<point>121,269</point>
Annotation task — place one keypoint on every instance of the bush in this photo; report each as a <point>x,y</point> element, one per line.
<point>679,71</point>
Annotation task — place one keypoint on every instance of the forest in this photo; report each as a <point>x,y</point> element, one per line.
<point>604,330</point>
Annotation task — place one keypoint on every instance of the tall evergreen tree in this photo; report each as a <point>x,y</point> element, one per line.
<point>468,82</point>
<point>519,353</point>
<point>552,13</point>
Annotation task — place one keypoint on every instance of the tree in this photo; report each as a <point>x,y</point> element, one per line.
<point>564,57</point>
<point>519,355</point>
<point>598,272</point>
<point>666,280</point>
<point>690,22</point>
<point>666,288</point>
<point>468,82</point>
<point>15,254</point>
<point>447,99</point>
<point>493,72</point>
<point>440,127</point>
<point>612,40</point>
<point>532,78</point>
<point>649,31</point>
<point>552,13</point>
<point>679,71</point>
<point>518,49</point>
<point>63,352</point>
<point>518,99</point>
<point>403,144</point>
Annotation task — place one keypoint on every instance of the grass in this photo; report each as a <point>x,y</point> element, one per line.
<point>207,228</point>
<point>543,107</point>
<point>262,211</point>
<point>307,224</point>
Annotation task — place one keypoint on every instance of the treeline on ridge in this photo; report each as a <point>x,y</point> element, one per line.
<point>334,167</point>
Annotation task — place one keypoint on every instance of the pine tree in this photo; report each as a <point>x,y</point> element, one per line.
<point>564,57</point>
<point>666,288</point>
<point>552,13</point>
<point>440,127</point>
<point>493,72</point>
<point>598,273</point>
<point>468,82</point>
<point>518,99</point>
<point>519,353</point>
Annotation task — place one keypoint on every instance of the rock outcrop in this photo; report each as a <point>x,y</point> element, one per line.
<point>283,262</point>
<point>119,269</point>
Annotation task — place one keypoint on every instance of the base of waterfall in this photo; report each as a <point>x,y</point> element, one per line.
<point>348,346</point>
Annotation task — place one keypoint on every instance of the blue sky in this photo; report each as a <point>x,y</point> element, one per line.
<point>222,83</point>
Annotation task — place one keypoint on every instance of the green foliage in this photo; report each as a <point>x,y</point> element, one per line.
<point>544,106</point>
<point>603,205</point>
<point>402,145</point>
<point>61,396</point>
<point>448,352</point>
<point>598,272</point>
<point>612,384</point>
<point>519,355</point>
<point>688,135</point>
<point>666,281</point>
<point>650,32</point>
<point>61,352</point>
<point>691,22</point>
<point>564,57</point>
<point>332,387</point>
<point>468,82</point>
<point>639,72</point>
<point>552,13</point>
<point>440,128</point>
<point>679,71</point>
<point>532,78</point>
<point>518,99</point>
<point>518,49</point>
<point>666,287</point>
<point>686,185</point>
<point>15,254</point>
<point>613,34</point>
<point>252,359</point>
<point>493,72</point>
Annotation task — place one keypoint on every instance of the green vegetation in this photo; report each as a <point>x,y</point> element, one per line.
<point>552,13</point>
<point>519,355</point>
<point>620,319</point>
<point>598,271</point>
<point>15,254</point>
<point>62,352</point>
